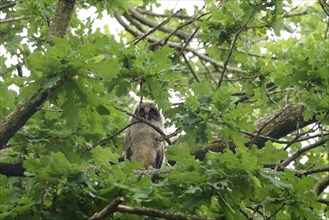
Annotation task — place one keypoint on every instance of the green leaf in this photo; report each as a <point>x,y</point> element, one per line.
<point>51,82</point>
<point>102,110</point>
<point>202,89</point>
<point>104,156</point>
<point>107,68</point>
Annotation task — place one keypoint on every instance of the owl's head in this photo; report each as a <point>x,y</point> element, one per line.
<point>149,111</point>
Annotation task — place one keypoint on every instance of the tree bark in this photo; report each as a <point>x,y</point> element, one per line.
<point>12,169</point>
<point>26,109</point>
<point>276,125</point>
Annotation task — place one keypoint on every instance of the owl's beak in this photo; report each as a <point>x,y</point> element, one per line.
<point>147,117</point>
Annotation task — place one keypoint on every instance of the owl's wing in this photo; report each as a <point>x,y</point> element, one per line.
<point>128,153</point>
<point>159,158</point>
<point>127,145</point>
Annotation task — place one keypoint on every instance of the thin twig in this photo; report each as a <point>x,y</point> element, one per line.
<point>107,139</point>
<point>147,12</point>
<point>154,171</point>
<point>299,152</point>
<point>295,14</point>
<point>264,137</point>
<point>178,46</point>
<point>153,24</point>
<point>236,35</point>
<point>156,27</point>
<point>180,27</point>
<point>3,21</point>
<point>179,130</point>
<point>191,68</point>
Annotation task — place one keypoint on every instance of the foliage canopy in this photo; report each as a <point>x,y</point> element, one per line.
<point>245,83</point>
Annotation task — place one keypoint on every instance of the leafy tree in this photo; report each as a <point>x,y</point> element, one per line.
<point>245,83</point>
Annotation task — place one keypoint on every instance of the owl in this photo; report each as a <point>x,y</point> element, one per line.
<point>141,140</point>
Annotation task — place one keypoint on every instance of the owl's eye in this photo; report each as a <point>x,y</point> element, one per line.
<point>141,113</point>
<point>154,113</point>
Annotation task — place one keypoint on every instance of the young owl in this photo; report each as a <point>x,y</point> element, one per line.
<point>141,141</point>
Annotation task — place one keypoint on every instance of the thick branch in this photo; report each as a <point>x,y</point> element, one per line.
<point>277,125</point>
<point>12,169</point>
<point>108,210</point>
<point>158,213</point>
<point>281,123</point>
<point>18,117</point>
<point>321,185</point>
<point>24,110</point>
<point>61,19</point>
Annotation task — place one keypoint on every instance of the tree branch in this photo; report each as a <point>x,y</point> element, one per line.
<point>3,21</point>
<point>12,169</point>
<point>26,109</point>
<point>9,5</point>
<point>158,26</point>
<point>147,12</point>
<point>321,185</point>
<point>175,45</point>
<point>235,38</point>
<point>105,140</point>
<point>61,19</point>
<point>158,213</point>
<point>300,151</point>
<point>108,210</point>
<point>152,24</point>
<point>308,172</point>
<point>282,123</point>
